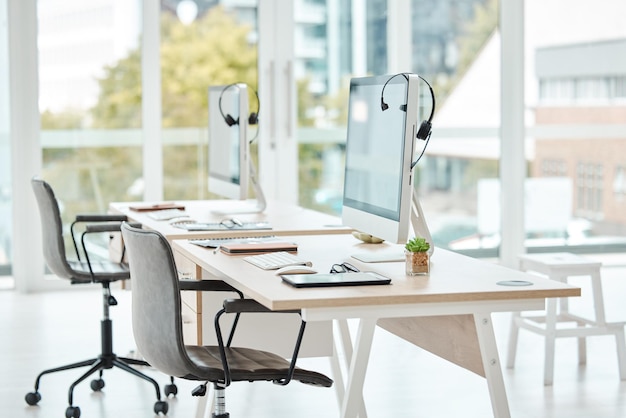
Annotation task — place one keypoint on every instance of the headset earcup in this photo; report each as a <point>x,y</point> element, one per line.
<point>229,120</point>
<point>424,130</point>
<point>253,119</point>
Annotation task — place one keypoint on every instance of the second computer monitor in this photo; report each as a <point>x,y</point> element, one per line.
<point>228,142</point>
<point>378,179</point>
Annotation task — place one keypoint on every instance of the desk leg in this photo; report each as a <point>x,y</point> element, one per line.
<point>201,406</point>
<point>548,368</point>
<point>358,367</point>
<point>491,364</point>
<point>346,347</point>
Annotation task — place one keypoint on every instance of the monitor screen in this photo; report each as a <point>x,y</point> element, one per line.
<point>379,151</point>
<point>228,144</point>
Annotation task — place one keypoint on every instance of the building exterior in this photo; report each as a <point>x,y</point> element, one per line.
<point>582,85</point>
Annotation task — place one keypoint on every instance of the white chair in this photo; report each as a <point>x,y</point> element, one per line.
<point>560,266</point>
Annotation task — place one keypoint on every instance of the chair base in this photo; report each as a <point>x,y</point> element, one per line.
<point>99,364</point>
<point>107,360</point>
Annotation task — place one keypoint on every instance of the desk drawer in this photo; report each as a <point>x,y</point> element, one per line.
<point>274,332</point>
<point>191,321</point>
<point>267,331</point>
<point>187,270</point>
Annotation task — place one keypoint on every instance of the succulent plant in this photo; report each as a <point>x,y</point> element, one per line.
<point>417,245</point>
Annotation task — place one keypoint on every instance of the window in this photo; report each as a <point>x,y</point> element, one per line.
<point>218,46</point>
<point>590,187</point>
<point>553,168</point>
<point>90,103</point>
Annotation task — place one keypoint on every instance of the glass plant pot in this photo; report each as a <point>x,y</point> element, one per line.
<point>417,263</point>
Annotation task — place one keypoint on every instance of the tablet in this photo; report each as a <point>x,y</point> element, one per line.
<point>335,279</point>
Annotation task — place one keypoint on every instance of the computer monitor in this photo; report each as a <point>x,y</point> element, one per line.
<point>228,142</point>
<point>231,170</point>
<point>378,182</point>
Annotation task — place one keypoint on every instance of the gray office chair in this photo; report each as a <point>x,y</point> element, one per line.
<point>157,326</point>
<point>85,270</point>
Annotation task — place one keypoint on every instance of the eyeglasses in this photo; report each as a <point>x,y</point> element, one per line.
<point>231,223</point>
<point>343,268</point>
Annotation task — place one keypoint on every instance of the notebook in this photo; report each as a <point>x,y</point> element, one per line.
<point>335,279</point>
<point>157,206</point>
<point>258,247</point>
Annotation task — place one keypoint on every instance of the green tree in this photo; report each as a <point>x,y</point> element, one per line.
<point>67,119</point>
<point>193,57</point>
<point>119,101</point>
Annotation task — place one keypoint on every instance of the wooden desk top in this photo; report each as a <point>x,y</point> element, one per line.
<point>453,277</point>
<point>285,219</point>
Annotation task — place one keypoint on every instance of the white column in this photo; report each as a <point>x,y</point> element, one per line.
<point>278,162</point>
<point>399,37</point>
<point>359,38</point>
<point>512,134</point>
<point>333,42</point>
<point>28,263</point>
<point>151,101</point>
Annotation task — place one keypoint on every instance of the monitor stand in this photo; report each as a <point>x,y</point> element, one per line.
<point>247,206</point>
<point>420,228</point>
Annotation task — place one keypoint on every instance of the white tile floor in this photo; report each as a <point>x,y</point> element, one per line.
<point>43,330</point>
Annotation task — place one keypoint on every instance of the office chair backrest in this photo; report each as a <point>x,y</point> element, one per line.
<point>157,321</point>
<point>52,229</point>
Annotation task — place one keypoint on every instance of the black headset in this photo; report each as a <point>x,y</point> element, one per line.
<point>253,118</point>
<point>425,128</point>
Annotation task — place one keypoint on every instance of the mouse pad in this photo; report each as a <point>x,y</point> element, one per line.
<point>335,279</point>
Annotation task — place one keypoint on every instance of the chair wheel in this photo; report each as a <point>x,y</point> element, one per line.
<point>170,389</point>
<point>97,385</point>
<point>32,398</point>
<point>160,407</point>
<point>72,412</point>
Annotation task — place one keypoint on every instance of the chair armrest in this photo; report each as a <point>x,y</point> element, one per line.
<point>239,306</point>
<point>114,226</point>
<point>103,227</point>
<point>249,305</point>
<point>107,227</point>
<point>101,218</point>
<point>207,286</point>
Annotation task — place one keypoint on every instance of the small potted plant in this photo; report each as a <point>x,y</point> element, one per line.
<point>417,258</point>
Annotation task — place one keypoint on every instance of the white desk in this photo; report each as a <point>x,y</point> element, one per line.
<point>285,219</point>
<point>460,292</point>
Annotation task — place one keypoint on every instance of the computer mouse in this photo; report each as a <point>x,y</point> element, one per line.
<point>298,269</point>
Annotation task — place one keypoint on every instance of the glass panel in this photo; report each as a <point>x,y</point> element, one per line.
<point>576,61</point>
<point>5,154</point>
<point>453,48</point>
<point>90,102</point>
<point>202,44</point>
<point>457,48</point>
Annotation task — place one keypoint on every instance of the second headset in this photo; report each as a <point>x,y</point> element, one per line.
<point>253,118</point>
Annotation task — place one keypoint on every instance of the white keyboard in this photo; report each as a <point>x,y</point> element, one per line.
<point>166,214</point>
<point>276,260</point>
